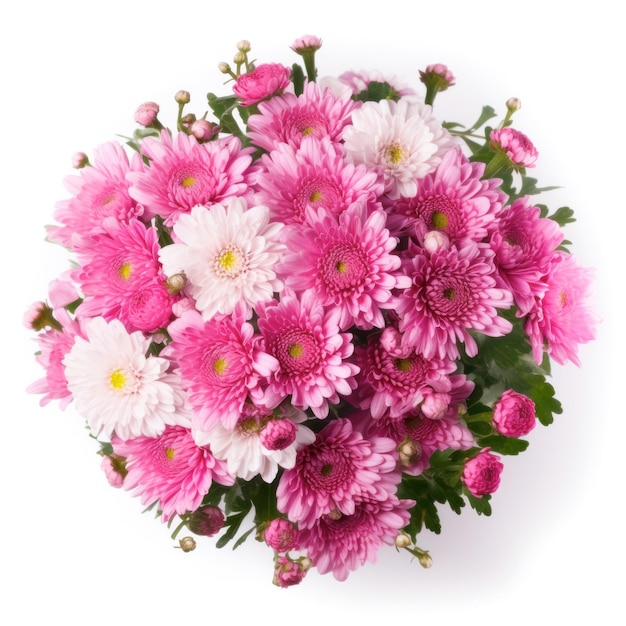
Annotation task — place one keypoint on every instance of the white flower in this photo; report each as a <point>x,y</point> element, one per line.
<point>227,254</point>
<point>402,141</point>
<point>116,388</point>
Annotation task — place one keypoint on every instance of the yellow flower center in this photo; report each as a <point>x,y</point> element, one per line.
<point>188,181</point>
<point>307,131</point>
<point>124,271</point>
<point>563,298</point>
<point>403,365</point>
<point>316,196</point>
<point>394,153</point>
<point>341,267</point>
<point>295,350</point>
<point>219,367</point>
<point>170,453</point>
<point>448,293</point>
<point>439,220</point>
<point>118,379</point>
<point>230,261</point>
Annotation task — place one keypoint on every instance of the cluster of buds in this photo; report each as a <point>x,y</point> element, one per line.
<point>403,541</point>
<point>241,61</point>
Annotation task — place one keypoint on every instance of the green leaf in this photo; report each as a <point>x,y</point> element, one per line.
<point>375,92</point>
<point>297,78</point>
<point>482,505</point>
<point>504,445</point>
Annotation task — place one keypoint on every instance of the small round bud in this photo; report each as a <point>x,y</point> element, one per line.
<point>278,434</point>
<point>224,68</point>
<point>244,45</point>
<point>182,97</point>
<point>187,544</point>
<point>203,130</point>
<point>79,160</point>
<point>435,240</point>
<point>176,283</point>
<point>335,514</point>
<point>403,540</point>
<point>146,113</point>
<point>425,560</point>
<point>409,452</point>
<point>207,520</point>
<point>239,58</point>
<point>513,104</point>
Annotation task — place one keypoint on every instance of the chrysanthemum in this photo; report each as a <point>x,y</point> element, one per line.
<point>184,173</point>
<point>221,363</point>
<point>563,319</point>
<point>265,81</point>
<point>524,244</point>
<point>289,118</point>
<point>311,351</point>
<point>117,388</point>
<point>227,253</point>
<point>243,446</point>
<point>359,81</point>
<point>348,261</point>
<point>515,145</point>
<point>99,192</point>
<point>170,469</point>
<point>336,472</point>
<point>453,200</point>
<point>313,175</point>
<point>401,141</point>
<point>453,291</point>
<point>339,543</point>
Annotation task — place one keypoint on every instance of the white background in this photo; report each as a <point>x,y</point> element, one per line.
<point>76,551</point>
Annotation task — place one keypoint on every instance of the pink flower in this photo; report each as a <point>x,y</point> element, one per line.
<point>281,535</point>
<point>515,144</point>
<point>563,319</point>
<point>111,465</point>
<point>359,81</point>
<point>341,543</point>
<point>524,244</point>
<point>290,118</point>
<point>265,81</point>
<point>99,192</point>
<point>147,113</point>
<point>333,474</point>
<point>313,175</point>
<point>481,473</point>
<point>184,173</point>
<point>347,261</point>
<point>289,572</point>
<point>514,414</point>
<point>439,73</point>
<point>221,362</point>
<point>306,43</point>
<point>311,351</point>
<point>170,469</point>
<point>454,291</point>
<point>206,520</point>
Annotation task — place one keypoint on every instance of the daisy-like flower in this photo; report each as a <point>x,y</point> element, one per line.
<point>289,118</point>
<point>340,544</point>
<point>336,472</point>
<point>524,244</point>
<point>563,319</point>
<point>348,262</point>
<point>401,141</point>
<point>228,254</point>
<point>313,175</point>
<point>311,351</point>
<point>184,173</point>
<point>221,362</point>
<point>100,192</point>
<point>453,200</point>
<point>170,469</point>
<point>117,388</point>
<point>243,446</point>
<point>454,291</point>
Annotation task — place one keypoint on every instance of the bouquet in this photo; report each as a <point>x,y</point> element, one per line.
<point>312,313</point>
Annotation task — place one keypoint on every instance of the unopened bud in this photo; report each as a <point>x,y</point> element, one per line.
<point>187,544</point>
<point>203,130</point>
<point>182,97</point>
<point>146,113</point>
<point>335,514</point>
<point>244,45</point>
<point>403,540</point>
<point>176,283</point>
<point>79,160</point>
<point>224,68</point>
<point>513,104</point>
<point>409,452</point>
<point>425,560</point>
<point>239,58</point>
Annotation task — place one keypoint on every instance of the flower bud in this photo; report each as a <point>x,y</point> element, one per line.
<point>224,68</point>
<point>513,104</point>
<point>182,97</point>
<point>409,452</point>
<point>176,283</point>
<point>435,240</point>
<point>79,160</point>
<point>403,540</point>
<point>203,130</point>
<point>206,520</point>
<point>244,45</point>
<point>425,560</point>
<point>281,535</point>
<point>239,58</point>
<point>146,113</point>
<point>187,544</point>
<point>278,434</point>
<point>288,572</point>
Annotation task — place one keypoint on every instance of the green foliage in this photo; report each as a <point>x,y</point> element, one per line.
<point>375,92</point>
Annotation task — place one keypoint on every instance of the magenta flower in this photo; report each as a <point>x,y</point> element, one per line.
<point>524,244</point>
<point>337,471</point>
<point>313,175</point>
<point>184,173</point>
<point>311,351</point>
<point>453,291</point>
<point>514,414</point>
<point>563,319</point>
<point>438,73</point>
<point>265,81</point>
<point>100,192</point>
<point>515,145</point>
<point>340,543</point>
<point>290,118</point>
<point>289,572</point>
<point>221,362</point>
<point>281,535</point>
<point>347,261</point>
<point>481,473</point>
<point>170,469</point>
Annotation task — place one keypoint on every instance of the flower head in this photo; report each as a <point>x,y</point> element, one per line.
<point>265,81</point>
<point>514,414</point>
<point>481,473</point>
<point>515,145</point>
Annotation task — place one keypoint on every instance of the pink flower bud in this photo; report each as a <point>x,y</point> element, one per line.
<point>265,81</point>
<point>306,43</point>
<point>437,74</point>
<point>281,535</point>
<point>435,405</point>
<point>182,97</point>
<point>79,160</point>
<point>516,145</point>
<point>207,520</point>
<point>203,130</point>
<point>278,434</point>
<point>114,469</point>
<point>288,572</point>
<point>481,474</point>
<point>514,414</point>
<point>146,113</point>
<point>435,240</point>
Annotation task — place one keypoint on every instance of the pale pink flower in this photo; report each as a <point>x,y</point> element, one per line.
<point>288,571</point>
<point>453,200</point>
<point>454,291</point>
<point>184,173</point>
<point>265,81</point>
<point>514,414</point>
<point>481,473</point>
<point>99,192</point>
<point>306,43</point>
<point>524,244</point>
<point>515,145</point>
<point>439,75</point>
<point>341,543</point>
<point>348,261</point>
<point>147,113</point>
<point>563,318</point>
<point>401,141</point>
<point>290,118</point>
<point>170,469</point>
<point>311,351</point>
<point>359,81</point>
<point>222,362</point>
<point>228,254</point>
<point>111,471</point>
<point>335,473</point>
<point>281,535</point>
<point>313,175</point>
